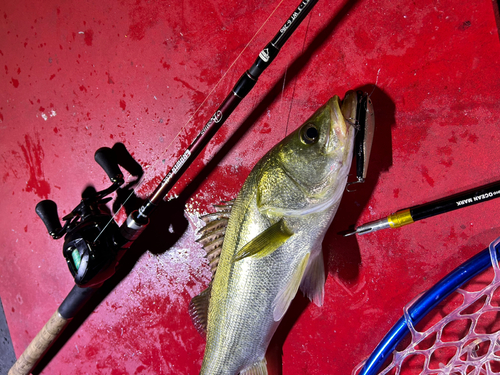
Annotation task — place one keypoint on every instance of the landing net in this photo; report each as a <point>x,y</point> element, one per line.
<point>459,330</point>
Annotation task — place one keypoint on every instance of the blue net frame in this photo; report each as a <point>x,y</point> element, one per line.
<point>417,310</point>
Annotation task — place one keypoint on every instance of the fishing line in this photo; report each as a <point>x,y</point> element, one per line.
<point>295,83</point>
<point>376,82</point>
<point>283,87</point>
<point>218,82</point>
<point>193,115</point>
<point>115,214</point>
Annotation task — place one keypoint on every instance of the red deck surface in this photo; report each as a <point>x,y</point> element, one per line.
<point>77,76</point>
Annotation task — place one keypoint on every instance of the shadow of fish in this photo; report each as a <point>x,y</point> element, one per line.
<point>272,243</point>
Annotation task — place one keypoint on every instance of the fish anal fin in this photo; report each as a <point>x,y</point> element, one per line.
<point>313,282</point>
<point>287,294</point>
<point>198,310</point>
<point>259,368</point>
<point>266,242</point>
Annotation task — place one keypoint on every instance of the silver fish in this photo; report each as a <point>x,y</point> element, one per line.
<point>272,244</point>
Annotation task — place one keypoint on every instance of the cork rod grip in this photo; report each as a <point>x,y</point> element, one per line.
<point>42,341</point>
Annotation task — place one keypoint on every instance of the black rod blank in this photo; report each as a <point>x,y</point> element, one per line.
<point>244,85</point>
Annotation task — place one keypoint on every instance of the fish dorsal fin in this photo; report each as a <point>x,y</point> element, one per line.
<point>212,234</point>
<point>287,294</point>
<point>313,282</point>
<point>212,237</point>
<point>266,242</point>
<point>198,310</point>
<point>259,368</point>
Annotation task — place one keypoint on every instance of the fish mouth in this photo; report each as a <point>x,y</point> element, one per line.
<point>340,113</point>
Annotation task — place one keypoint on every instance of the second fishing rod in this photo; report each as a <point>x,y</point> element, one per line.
<point>437,207</point>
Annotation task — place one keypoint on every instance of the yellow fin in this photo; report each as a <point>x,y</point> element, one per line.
<point>313,282</point>
<point>266,242</point>
<point>258,368</point>
<point>285,296</point>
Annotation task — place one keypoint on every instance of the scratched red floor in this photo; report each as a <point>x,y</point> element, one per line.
<point>80,75</point>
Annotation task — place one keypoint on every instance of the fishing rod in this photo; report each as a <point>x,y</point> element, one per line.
<point>246,82</point>
<point>94,243</point>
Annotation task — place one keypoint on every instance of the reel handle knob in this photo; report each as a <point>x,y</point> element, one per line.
<point>47,211</point>
<point>106,158</point>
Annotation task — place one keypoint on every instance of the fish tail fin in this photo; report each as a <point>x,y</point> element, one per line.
<point>313,282</point>
<point>259,368</point>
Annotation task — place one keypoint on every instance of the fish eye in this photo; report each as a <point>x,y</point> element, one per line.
<point>309,134</point>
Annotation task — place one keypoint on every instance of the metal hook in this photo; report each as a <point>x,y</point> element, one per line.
<point>359,181</point>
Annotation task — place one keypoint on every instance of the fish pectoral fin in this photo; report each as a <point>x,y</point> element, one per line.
<point>313,282</point>
<point>266,242</point>
<point>198,310</point>
<point>259,368</point>
<point>285,296</point>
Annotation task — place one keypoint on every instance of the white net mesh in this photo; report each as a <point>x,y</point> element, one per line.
<point>465,340</point>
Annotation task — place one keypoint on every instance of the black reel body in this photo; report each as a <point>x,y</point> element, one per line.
<point>88,253</point>
<point>92,240</point>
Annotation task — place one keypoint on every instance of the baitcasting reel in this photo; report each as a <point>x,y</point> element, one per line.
<point>93,239</point>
